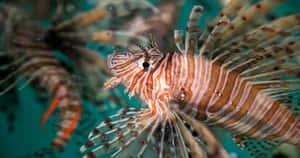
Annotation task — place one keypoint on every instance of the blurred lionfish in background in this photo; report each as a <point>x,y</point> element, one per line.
<point>239,74</point>
<point>28,49</point>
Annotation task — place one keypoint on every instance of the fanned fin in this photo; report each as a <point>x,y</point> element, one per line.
<point>249,17</point>
<point>136,133</point>
<point>265,35</point>
<point>24,68</point>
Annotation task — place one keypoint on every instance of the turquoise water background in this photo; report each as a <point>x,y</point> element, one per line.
<point>28,137</point>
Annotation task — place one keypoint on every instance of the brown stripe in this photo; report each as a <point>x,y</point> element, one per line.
<point>193,20</point>
<point>225,94</point>
<point>193,29</point>
<point>267,118</point>
<point>179,40</point>
<point>198,10</point>
<point>209,93</point>
<point>235,103</point>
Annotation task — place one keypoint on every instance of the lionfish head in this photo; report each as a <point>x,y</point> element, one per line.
<point>125,65</point>
<point>146,59</point>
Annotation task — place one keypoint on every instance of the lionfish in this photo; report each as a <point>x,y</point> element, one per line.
<point>238,74</point>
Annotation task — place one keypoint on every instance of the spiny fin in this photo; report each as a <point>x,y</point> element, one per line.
<point>179,39</point>
<point>193,30</point>
<point>249,17</point>
<point>135,133</point>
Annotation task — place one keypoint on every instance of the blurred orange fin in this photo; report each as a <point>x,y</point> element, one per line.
<point>49,111</point>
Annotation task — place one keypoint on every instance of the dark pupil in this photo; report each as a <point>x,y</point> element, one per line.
<point>146,65</point>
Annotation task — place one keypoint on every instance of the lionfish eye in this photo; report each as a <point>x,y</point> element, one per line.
<point>146,65</point>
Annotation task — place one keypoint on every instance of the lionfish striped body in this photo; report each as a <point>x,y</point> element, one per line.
<point>211,93</point>
<point>233,75</point>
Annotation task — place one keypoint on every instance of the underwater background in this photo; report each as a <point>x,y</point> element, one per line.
<point>21,111</point>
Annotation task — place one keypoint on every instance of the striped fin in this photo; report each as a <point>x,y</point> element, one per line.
<point>262,36</point>
<point>135,133</point>
<point>281,55</point>
<point>229,11</point>
<point>213,146</point>
<point>193,30</point>
<point>213,37</point>
<point>179,39</point>
<point>26,70</point>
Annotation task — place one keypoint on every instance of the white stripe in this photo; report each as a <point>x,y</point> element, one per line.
<point>283,122</point>
<point>139,83</point>
<point>296,138</point>
<point>200,82</point>
<point>271,122</point>
<point>266,107</point>
<point>185,70</point>
<point>195,86</point>
<point>290,132</point>
<point>188,70</point>
<point>207,78</point>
